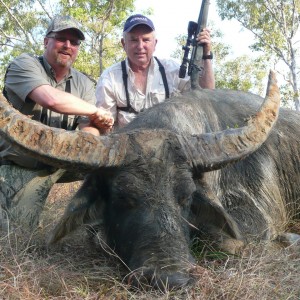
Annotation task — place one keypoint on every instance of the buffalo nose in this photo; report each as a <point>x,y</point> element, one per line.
<point>164,282</point>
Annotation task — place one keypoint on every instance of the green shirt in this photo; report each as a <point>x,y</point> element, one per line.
<point>26,73</point>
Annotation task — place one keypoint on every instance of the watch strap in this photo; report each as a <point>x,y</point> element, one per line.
<point>210,56</point>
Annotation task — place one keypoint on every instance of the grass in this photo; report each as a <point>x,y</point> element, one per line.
<point>74,269</point>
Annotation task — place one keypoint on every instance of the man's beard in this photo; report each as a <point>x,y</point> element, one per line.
<point>63,62</point>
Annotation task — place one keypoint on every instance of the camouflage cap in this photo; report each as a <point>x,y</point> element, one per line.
<point>60,23</point>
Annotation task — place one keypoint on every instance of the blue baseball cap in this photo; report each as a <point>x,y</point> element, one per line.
<point>135,20</point>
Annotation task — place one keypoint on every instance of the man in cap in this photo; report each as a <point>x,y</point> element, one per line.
<point>141,80</point>
<point>49,90</point>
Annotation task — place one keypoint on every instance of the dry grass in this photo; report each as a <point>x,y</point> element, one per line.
<point>74,270</point>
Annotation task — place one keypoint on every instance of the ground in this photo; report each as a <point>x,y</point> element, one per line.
<point>76,269</point>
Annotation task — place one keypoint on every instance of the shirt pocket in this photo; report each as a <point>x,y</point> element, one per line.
<point>158,93</point>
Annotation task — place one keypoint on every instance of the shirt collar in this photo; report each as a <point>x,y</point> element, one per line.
<point>151,68</point>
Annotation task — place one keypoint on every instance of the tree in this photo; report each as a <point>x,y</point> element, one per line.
<point>102,22</point>
<point>23,25</point>
<point>275,24</point>
<point>242,73</point>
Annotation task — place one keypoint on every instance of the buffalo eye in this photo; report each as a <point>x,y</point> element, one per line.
<point>123,198</point>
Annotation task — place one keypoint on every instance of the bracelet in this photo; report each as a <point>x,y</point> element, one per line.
<point>210,56</point>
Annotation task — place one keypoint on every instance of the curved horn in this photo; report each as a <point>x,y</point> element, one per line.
<point>57,147</point>
<point>78,150</point>
<point>215,150</point>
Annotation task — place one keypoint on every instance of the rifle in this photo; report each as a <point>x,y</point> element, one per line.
<point>195,61</point>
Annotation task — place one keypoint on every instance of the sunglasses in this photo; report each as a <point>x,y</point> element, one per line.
<point>61,39</point>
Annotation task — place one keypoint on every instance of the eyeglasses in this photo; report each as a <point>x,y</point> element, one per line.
<point>61,39</point>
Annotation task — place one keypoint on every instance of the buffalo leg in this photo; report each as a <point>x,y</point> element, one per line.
<point>24,192</point>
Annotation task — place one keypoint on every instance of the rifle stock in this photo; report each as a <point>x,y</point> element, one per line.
<point>195,61</point>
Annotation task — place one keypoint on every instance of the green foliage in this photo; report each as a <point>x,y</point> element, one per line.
<point>178,52</point>
<point>201,249</point>
<point>271,21</point>
<point>242,73</point>
<point>23,25</point>
<point>275,24</point>
<point>20,25</point>
<point>287,95</point>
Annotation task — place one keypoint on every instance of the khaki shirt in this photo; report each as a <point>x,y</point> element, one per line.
<point>26,73</point>
<point>110,90</point>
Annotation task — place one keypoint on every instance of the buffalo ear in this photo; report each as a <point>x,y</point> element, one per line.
<point>85,208</point>
<point>214,224</point>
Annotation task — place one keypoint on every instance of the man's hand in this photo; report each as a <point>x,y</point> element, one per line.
<point>102,119</point>
<point>204,38</point>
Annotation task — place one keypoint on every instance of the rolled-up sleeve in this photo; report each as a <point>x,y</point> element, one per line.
<point>25,73</point>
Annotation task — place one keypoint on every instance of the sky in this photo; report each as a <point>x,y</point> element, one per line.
<point>171,18</point>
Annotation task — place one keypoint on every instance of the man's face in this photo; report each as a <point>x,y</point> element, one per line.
<point>139,45</point>
<point>61,48</point>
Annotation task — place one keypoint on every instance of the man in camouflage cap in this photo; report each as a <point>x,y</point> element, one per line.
<point>49,90</point>
<point>60,23</point>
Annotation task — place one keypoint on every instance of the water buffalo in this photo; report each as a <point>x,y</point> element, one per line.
<point>186,167</point>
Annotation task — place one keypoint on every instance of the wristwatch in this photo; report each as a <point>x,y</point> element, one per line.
<point>210,56</point>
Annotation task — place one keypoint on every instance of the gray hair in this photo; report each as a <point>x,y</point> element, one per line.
<point>153,32</point>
